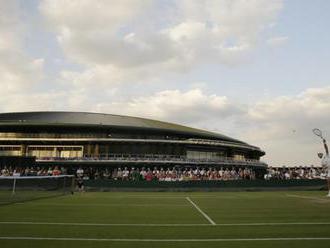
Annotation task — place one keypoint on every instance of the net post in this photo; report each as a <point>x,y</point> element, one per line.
<point>14,187</point>
<point>72,184</point>
<point>64,185</point>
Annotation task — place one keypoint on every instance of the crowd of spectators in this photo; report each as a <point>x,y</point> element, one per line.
<point>168,173</point>
<point>32,171</point>
<point>135,174</point>
<point>287,173</point>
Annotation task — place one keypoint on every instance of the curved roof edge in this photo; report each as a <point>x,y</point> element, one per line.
<point>96,119</point>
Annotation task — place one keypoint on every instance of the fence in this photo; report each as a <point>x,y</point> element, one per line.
<point>301,184</point>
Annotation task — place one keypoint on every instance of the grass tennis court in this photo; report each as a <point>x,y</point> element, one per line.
<point>131,219</point>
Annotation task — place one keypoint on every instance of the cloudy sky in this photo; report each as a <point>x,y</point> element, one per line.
<point>257,70</point>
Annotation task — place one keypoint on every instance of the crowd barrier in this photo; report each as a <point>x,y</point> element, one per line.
<point>301,184</point>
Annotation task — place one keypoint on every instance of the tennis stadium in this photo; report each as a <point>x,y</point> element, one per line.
<point>75,179</point>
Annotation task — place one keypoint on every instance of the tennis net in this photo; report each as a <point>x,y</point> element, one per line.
<point>19,189</point>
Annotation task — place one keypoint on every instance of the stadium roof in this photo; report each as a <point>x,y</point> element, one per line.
<point>50,118</point>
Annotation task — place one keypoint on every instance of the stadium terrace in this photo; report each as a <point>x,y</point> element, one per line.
<point>93,139</point>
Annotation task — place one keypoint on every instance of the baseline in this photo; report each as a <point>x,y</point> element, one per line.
<point>161,240</point>
<point>159,224</point>
<point>309,197</point>
<point>100,204</point>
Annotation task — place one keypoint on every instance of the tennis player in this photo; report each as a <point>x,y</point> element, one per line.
<point>326,163</point>
<point>80,184</point>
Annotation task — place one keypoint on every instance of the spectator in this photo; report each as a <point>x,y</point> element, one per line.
<point>169,174</point>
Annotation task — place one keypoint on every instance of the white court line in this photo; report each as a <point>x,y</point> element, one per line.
<point>275,224</point>
<point>101,204</point>
<point>135,196</point>
<point>172,197</point>
<point>158,224</point>
<point>166,196</point>
<point>201,211</point>
<point>161,240</point>
<point>96,224</point>
<point>309,197</point>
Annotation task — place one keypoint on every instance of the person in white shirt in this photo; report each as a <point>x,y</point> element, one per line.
<point>125,174</point>
<point>326,163</point>
<point>79,172</point>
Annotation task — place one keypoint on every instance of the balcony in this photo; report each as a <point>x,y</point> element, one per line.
<point>155,158</point>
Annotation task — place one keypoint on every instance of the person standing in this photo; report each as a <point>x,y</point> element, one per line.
<point>326,163</point>
<point>80,179</point>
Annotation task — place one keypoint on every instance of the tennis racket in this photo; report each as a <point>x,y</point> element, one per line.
<point>318,132</point>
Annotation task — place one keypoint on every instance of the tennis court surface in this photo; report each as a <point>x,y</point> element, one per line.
<point>131,219</point>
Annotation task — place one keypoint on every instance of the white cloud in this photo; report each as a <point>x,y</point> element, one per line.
<point>100,32</point>
<point>277,41</point>
<point>311,107</point>
<point>190,107</point>
<point>143,37</point>
<point>35,101</point>
<point>284,126</point>
<point>18,71</point>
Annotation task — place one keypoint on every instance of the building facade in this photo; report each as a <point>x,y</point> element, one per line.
<point>80,138</point>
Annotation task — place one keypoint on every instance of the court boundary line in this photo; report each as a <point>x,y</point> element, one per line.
<point>201,211</point>
<point>159,224</point>
<point>166,197</point>
<point>309,197</point>
<point>101,204</point>
<point>101,224</point>
<point>160,240</point>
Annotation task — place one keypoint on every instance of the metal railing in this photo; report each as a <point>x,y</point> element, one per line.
<point>138,140</point>
<point>156,158</point>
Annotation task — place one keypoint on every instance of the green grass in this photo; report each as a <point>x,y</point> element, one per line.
<point>7,197</point>
<point>155,210</point>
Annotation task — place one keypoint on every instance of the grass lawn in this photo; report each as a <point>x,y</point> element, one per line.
<point>199,219</point>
